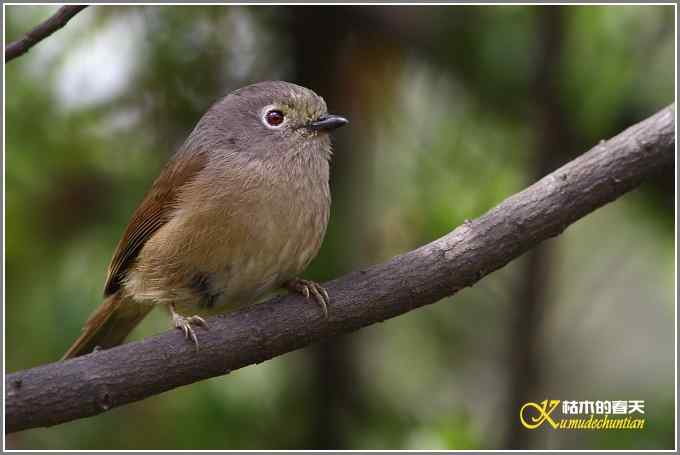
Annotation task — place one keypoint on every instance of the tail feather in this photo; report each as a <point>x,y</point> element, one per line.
<point>109,325</point>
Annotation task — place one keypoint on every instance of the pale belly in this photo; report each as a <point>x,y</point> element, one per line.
<point>211,260</point>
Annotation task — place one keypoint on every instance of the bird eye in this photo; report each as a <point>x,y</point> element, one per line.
<point>274,118</point>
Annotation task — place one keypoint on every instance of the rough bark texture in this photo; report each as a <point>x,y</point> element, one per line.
<point>42,31</point>
<point>88,385</point>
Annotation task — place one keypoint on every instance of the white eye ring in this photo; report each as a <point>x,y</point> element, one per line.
<point>273,117</point>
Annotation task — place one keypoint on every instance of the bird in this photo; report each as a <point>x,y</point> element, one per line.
<point>239,211</point>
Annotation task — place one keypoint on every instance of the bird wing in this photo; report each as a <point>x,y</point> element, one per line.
<point>151,215</point>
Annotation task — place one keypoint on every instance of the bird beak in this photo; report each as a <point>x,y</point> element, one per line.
<point>328,122</point>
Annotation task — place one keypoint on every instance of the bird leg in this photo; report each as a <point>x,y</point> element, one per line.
<point>184,323</point>
<point>310,289</point>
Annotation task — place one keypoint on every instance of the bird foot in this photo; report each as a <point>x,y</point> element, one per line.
<point>310,289</point>
<point>185,324</point>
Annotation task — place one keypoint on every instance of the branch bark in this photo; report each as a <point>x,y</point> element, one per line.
<point>42,31</point>
<point>89,385</point>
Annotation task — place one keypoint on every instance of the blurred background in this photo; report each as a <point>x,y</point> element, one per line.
<point>453,109</point>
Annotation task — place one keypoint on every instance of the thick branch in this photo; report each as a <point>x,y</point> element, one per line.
<point>42,31</point>
<point>88,385</point>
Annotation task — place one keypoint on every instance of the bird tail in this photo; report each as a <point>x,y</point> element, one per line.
<point>109,325</point>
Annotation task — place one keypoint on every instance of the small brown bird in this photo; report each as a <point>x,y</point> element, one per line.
<point>240,210</point>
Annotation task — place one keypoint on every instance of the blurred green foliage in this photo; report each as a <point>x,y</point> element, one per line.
<point>445,118</point>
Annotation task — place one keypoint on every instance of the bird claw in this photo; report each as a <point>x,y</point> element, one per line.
<point>185,324</point>
<point>197,320</point>
<point>311,289</point>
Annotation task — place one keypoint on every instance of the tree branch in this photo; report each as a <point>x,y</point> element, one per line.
<point>88,385</point>
<point>42,31</point>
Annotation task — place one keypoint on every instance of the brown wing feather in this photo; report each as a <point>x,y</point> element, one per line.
<point>151,215</point>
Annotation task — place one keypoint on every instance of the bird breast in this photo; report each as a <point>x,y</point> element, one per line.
<point>235,237</point>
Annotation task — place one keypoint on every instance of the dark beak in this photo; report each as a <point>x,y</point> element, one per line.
<point>328,122</point>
